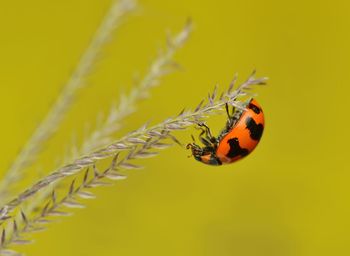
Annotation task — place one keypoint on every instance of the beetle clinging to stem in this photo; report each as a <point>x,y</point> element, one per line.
<point>240,136</point>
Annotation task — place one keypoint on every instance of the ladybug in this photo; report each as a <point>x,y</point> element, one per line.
<point>242,133</point>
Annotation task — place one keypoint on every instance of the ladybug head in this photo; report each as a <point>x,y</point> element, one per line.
<point>197,151</point>
<point>203,155</point>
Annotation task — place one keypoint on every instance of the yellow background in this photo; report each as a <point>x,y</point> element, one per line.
<point>290,197</point>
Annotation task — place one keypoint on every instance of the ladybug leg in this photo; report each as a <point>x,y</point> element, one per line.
<point>233,111</point>
<point>227,111</point>
<point>230,120</point>
<point>206,142</point>
<point>206,129</point>
<point>208,135</point>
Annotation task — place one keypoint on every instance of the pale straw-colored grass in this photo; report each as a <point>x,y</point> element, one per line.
<point>145,142</point>
<point>64,188</point>
<point>48,126</point>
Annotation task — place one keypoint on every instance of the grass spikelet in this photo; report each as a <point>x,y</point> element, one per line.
<point>142,143</point>
<point>56,114</point>
<point>112,123</point>
<point>60,192</point>
<point>162,65</point>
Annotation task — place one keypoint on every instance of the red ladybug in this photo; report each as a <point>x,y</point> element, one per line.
<point>242,133</point>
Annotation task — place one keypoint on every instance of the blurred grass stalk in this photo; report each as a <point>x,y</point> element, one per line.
<point>45,130</point>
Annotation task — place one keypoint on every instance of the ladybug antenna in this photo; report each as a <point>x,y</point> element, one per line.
<point>190,146</point>
<point>194,141</point>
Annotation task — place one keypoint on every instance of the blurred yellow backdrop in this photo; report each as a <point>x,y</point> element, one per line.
<point>291,197</point>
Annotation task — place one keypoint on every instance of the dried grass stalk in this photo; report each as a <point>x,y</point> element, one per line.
<point>160,66</point>
<point>142,143</point>
<point>54,117</point>
<point>127,105</point>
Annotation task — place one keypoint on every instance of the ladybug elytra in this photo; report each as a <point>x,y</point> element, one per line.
<point>241,135</point>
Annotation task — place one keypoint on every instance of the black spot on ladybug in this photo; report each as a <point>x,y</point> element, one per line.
<point>255,129</point>
<point>235,149</point>
<point>255,108</point>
